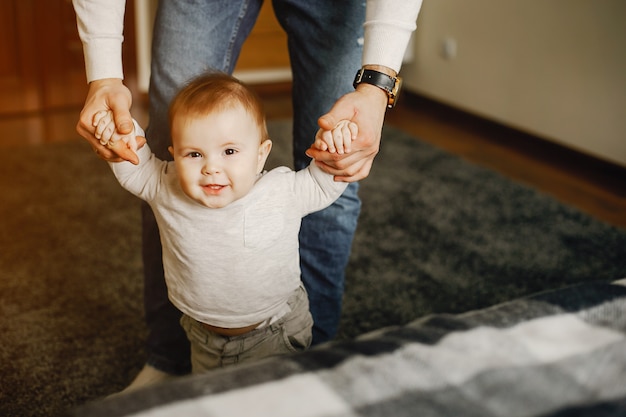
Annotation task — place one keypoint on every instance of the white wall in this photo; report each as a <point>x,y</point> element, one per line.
<point>554,68</point>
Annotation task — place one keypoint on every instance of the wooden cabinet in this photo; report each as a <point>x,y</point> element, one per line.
<point>19,80</point>
<point>41,57</point>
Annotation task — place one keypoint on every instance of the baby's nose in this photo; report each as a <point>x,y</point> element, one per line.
<point>211,166</point>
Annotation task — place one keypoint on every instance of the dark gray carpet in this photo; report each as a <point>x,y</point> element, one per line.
<point>436,235</point>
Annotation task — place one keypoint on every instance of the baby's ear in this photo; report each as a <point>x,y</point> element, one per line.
<point>264,150</point>
<point>171,149</point>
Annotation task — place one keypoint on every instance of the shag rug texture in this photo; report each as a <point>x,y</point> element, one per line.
<point>436,235</point>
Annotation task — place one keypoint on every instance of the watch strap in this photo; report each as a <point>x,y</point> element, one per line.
<point>377,78</point>
<point>387,83</point>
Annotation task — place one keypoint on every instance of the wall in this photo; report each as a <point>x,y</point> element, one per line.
<point>554,68</point>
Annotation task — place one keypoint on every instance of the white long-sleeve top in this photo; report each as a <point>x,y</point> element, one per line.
<point>388,27</point>
<point>237,265</point>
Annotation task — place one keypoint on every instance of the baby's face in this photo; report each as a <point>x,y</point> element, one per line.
<point>219,156</point>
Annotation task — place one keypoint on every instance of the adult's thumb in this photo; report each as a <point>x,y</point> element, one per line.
<point>123,120</point>
<point>124,125</point>
<point>338,112</point>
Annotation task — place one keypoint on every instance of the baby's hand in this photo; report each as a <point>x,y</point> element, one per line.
<point>338,140</point>
<point>124,146</point>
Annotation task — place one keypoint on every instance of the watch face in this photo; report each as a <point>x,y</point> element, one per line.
<point>395,93</point>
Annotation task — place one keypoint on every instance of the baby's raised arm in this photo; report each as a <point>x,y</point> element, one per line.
<point>123,145</point>
<point>339,139</point>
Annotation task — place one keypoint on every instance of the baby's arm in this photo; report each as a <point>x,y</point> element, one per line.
<point>123,145</point>
<point>339,139</point>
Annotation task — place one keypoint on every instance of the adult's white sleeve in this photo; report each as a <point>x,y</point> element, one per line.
<point>100,27</point>
<point>388,27</point>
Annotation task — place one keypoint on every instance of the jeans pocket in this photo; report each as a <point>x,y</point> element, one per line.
<point>297,326</point>
<point>193,329</point>
<point>299,340</point>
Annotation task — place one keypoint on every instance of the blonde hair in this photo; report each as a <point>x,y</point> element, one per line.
<point>216,91</point>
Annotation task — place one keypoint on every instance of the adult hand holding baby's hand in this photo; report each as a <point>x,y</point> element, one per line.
<point>106,94</point>
<point>338,139</point>
<point>123,145</point>
<point>366,108</point>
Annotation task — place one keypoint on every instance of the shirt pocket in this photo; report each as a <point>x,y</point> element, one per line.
<point>262,228</point>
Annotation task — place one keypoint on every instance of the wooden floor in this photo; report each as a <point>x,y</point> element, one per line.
<point>595,187</point>
<point>590,185</point>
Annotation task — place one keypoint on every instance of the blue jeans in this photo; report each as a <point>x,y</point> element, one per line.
<point>324,41</point>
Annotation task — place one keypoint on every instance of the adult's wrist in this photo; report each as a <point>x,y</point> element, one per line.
<point>106,86</point>
<point>105,81</point>
<point>382,78</point>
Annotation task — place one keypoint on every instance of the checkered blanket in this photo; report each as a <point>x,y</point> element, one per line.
<point>559,353</point>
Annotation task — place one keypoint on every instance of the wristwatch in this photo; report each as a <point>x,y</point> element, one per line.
<point>390,85</point>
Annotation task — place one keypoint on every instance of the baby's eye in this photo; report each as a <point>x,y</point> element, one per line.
<point>230,151</point>
<point>194,155</point>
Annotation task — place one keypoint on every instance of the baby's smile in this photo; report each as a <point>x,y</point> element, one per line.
<point>213,189</point>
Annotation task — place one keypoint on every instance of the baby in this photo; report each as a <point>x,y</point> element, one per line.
<point>229,229</point>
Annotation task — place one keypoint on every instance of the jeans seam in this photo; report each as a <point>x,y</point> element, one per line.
<point>233,36</point>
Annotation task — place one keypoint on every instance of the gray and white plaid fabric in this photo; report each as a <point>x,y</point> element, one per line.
<point>559,353</point>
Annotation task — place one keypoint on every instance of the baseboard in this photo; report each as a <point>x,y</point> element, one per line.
<point>605,174</point>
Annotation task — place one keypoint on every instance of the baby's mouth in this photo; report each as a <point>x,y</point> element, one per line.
<point>213,188</point>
